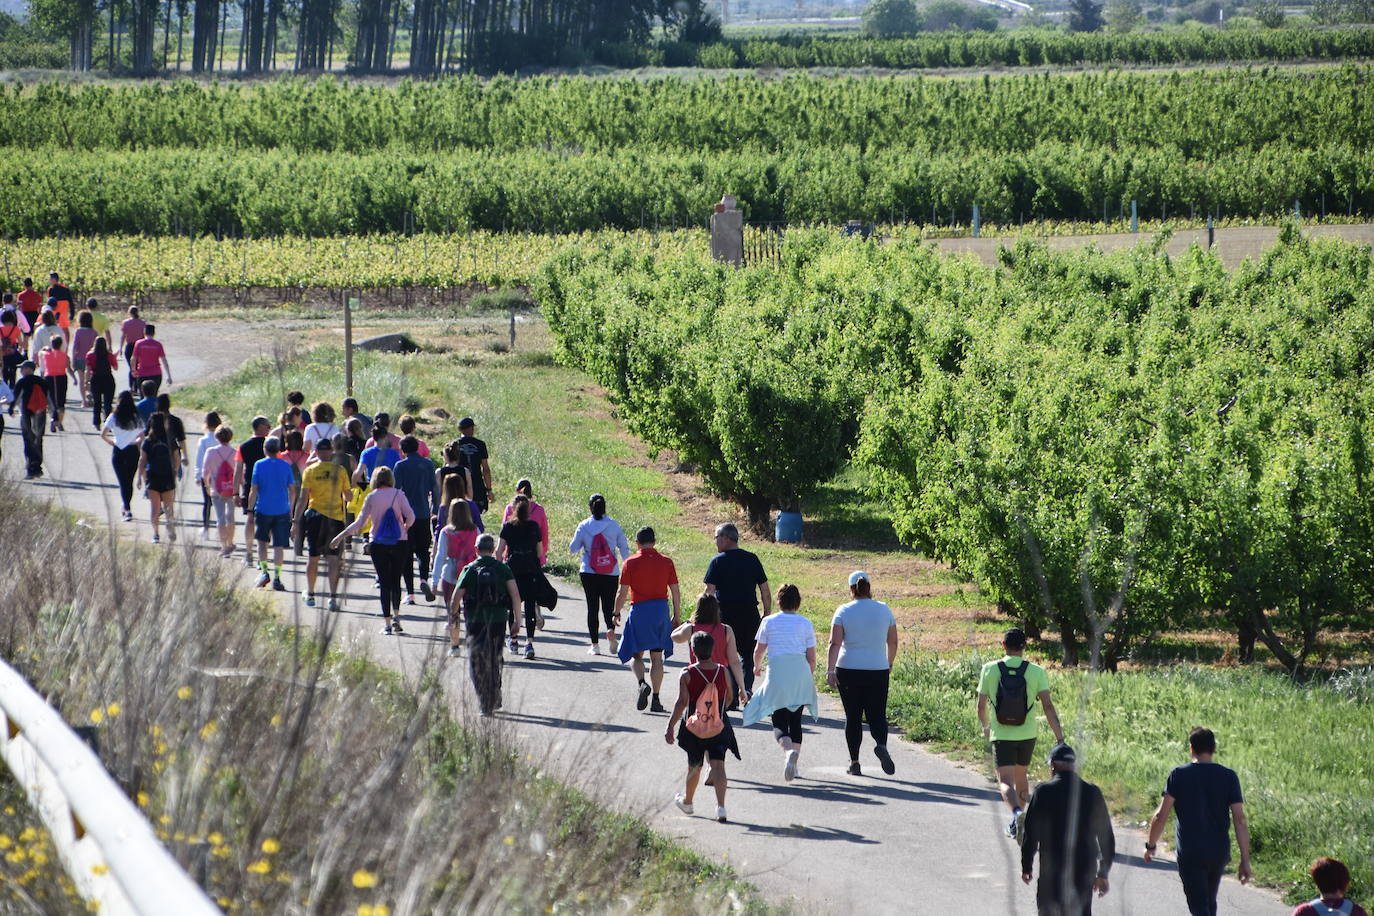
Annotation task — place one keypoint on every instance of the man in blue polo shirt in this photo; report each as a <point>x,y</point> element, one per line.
<point>272,494</point>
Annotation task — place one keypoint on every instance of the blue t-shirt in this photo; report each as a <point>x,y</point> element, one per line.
<point>374,456</point>
<point>146,407</point>
<point>736,574</point>
<point>273,477</point>
<point>865,623</point>
<point>415,477</point>
<point>1203,794</point>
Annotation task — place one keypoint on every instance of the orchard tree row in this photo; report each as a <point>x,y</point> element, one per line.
<point>1113,446</point>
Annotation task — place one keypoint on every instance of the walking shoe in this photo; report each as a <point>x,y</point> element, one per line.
<point>396,626</point>
<point>278,586</point>
<point>594,649</point>
<point>643,702</point>
<point>538,619</point>
<point>454,652</point>
<point>720,815</point>
<point>333,604</point>
<point>248,559</point>
<point>854,769</point>
<point>514,646</point>
<point>880,751</point>
<point>263,579</point>
<point>156,539</point>
<point>386,628</point>
<point>684,806</point>
<point>1014,827</point>
<point>656,706</point>
<point>613,641</point>
<point>428,592</point>
<point>410,599</point>
<point>529,650</point>
<point>789,767</point>
<point>309,599</point>
<point>128,516</point>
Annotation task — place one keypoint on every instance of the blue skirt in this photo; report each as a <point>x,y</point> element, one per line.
<point>648,627</point>
<point>787,684</point>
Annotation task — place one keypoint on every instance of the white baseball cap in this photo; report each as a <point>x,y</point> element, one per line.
<point>856,577</point>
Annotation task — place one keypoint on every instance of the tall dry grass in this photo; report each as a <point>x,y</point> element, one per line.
<point>288,778</point>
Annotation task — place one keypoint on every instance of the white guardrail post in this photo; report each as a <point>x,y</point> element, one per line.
<point>108,848</point>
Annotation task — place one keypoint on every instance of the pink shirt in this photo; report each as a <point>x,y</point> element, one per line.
<point>132,329</point>
<point>55,363</point>
<point>147,353</point>
<point>537,514</point>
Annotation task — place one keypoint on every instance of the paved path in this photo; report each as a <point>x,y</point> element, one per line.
<point>927,840</point>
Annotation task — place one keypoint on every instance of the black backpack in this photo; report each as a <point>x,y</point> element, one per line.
<point>490,600</point>
<point>1013,703</point>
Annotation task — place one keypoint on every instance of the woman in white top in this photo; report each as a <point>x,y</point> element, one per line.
<point>789,683</point>
<point>863,645</point>
<point>204,445</point>
<point>123,430</point>
<point>596,541</point>
<point>323,427</point>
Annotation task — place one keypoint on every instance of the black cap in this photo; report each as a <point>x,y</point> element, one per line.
<point>1014,638</point>
<point>467,423</point>
<point>1062,753</point>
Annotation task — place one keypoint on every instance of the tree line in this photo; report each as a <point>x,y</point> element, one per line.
<point>369,36</point>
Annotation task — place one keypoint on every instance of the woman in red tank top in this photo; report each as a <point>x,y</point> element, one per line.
<point>706,619</point>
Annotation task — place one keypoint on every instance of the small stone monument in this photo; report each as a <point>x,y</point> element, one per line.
<point>727,232</point>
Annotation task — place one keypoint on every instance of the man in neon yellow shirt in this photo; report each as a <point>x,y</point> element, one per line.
<point>1014,684</point>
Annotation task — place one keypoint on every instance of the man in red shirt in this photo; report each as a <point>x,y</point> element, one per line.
<point>150,360</point>
<point>647,579</point>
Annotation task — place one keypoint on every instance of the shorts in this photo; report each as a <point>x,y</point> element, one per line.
<point>319,531</point>
<point>698,749</point>
<point>274,528</point>
<point>79,363</point>
<point>162,484</point>
<point>1014,753</point>
<point>224,509</point>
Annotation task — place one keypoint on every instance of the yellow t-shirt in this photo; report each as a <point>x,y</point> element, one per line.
<point>99,322</point>
<point>329,493</point>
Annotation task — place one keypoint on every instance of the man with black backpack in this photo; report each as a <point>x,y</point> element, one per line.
<point>1013,684</point>
<point>487,593</point>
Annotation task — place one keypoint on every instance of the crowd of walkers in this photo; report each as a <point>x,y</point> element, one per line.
<point>322,481</point>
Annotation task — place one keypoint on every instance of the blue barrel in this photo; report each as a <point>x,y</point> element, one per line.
<point>789,528</point>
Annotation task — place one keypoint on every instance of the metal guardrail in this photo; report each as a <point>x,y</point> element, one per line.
<point>108,848</point>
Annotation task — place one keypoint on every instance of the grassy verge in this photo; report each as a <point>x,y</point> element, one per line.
<point>288,777</point>
<point>31,875</point>
<point>1301,750</point>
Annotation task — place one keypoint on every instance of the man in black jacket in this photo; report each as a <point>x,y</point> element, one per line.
<point>30,396</point>
<point>1068,823</point>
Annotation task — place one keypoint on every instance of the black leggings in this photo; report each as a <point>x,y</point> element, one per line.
<point>389,561</point>
<point>531,606</point>
<point>418,540</point>
<point>102,397</point>
<point>126,467</point>
<point>57,391</point>
<point>600,591</point>
<point>789,721</point>
<point>864,695</point>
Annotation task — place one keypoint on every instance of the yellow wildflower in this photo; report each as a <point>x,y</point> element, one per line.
<point>112,710</point>
<point>183,693</point>
<point>260,867</point>
<point>97,716</point>
<point>364,878</point>
<point>271,846</point>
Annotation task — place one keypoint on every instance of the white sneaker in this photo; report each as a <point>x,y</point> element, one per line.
<point>720,815</point>
<point>789,769</point>
<point>613,641</point>
<point>594,649</point>
<point>684,807</point>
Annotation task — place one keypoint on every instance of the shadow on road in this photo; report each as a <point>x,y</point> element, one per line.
<point>574,724</point>
<point>870,793</point>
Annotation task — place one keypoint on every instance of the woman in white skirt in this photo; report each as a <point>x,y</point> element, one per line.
<point>788,641</point>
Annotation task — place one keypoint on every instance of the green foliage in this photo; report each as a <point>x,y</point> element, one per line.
<point>1123,16</point>
<point>956,15</point>
<point>1085,16</point>
<point>1112,446</point>
<point>559,155</point>
<point>1269,12</point>
<point>886,18</point>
